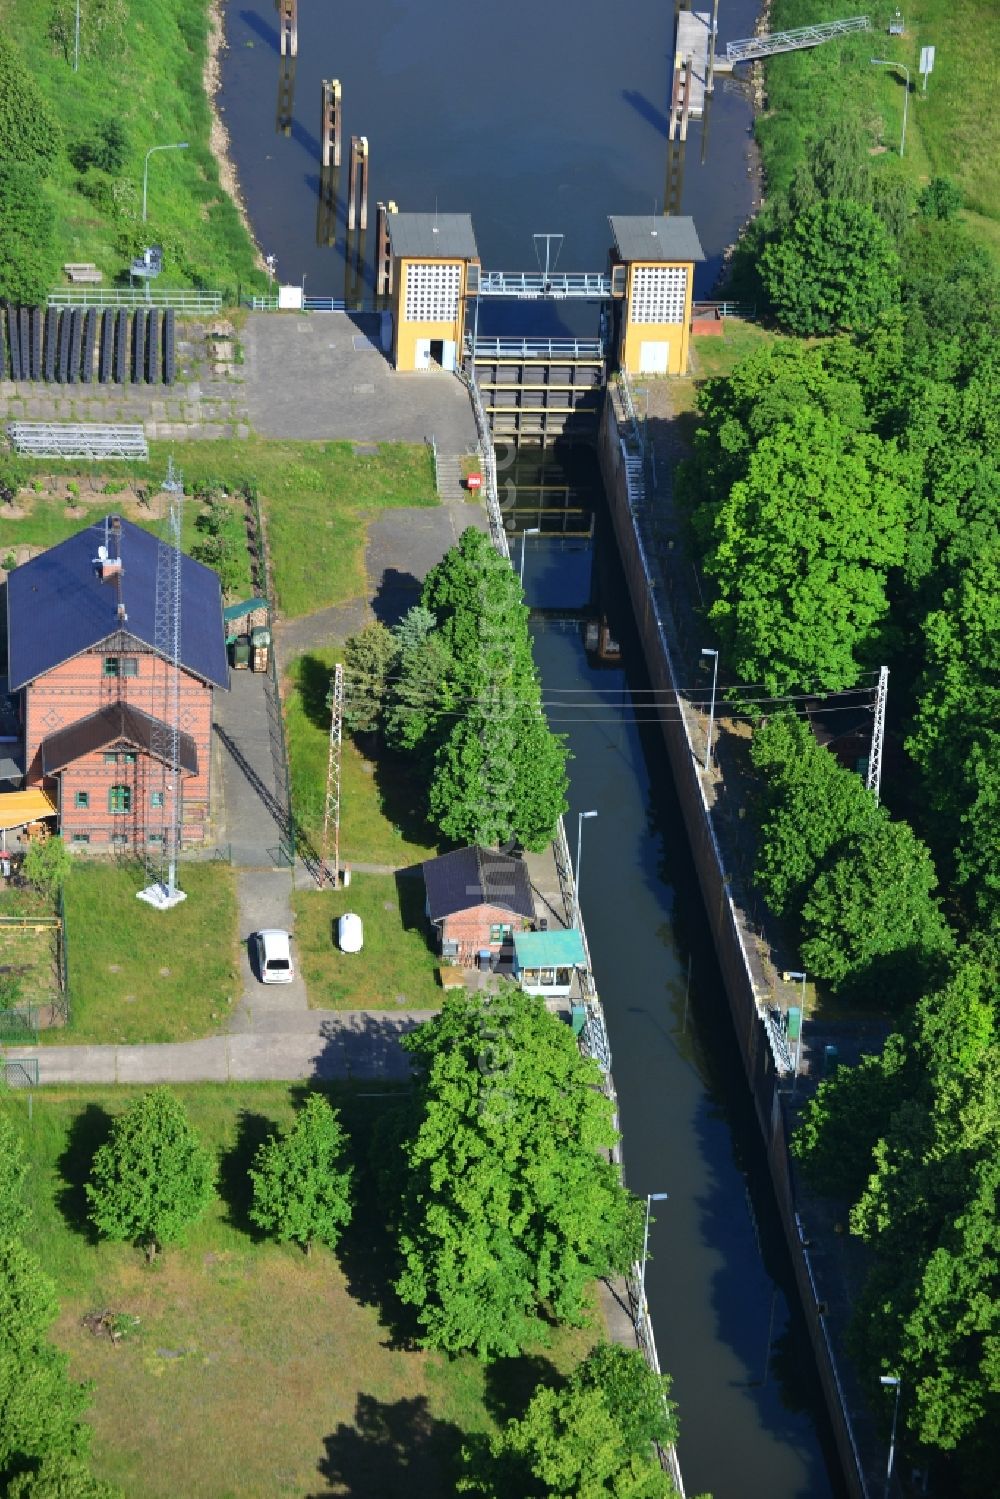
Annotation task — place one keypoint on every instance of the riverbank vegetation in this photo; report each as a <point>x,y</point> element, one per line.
<point>248,1177</point>
<point>843,500</point>
<point>72,147</point>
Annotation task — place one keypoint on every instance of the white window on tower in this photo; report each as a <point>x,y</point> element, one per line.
<point>659,293</point>
<point>432,293</point>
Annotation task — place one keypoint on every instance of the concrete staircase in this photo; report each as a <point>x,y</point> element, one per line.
<point>449,469</point>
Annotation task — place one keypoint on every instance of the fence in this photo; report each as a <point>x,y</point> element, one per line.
<point>20,1072</point>
<point>276,727</point>
<point>20,1025</point>
<point>182,299</point>
<point>594,1039</point>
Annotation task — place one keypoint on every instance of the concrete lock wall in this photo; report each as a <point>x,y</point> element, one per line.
<point>736,961</point>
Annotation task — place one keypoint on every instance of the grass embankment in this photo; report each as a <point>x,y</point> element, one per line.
<point>379,818</point>
<point>136,974</point>
<point>148,75</point>
<point>317,499</point>
<point>948,128</point>
<point>396,968</point>
<point>288,1357</point>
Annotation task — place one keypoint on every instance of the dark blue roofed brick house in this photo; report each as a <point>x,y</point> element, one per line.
<point>95,692</point>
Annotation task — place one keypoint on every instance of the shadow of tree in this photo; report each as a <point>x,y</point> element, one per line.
<point>234,1170</point>
<point>395,1449</point>
<point>413,903</point>
<point>89,1131</point>
<point>401,782</point>
<point>397,592</point>
<point>312,678</point>
<point>511,1382</point>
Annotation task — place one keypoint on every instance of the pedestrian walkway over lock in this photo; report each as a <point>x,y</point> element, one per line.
<point>770,43</point>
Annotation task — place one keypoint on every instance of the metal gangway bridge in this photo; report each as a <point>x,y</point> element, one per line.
<point>772,42</point>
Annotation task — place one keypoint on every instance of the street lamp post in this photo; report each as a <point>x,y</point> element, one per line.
<point>888,62</point>
<point>178,146</point>
<point>890,1381</point>
<point>651,1197</point>
<point>576,878</point>
<point>802,1020</point>
<point>531,531</point>
<point>706,650</point>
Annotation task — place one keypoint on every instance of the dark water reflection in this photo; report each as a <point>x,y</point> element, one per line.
<point>530,117</point>
<point>719,1284</point>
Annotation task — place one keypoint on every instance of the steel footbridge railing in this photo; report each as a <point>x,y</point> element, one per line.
<point>583,286</point>
<point>771,42</point>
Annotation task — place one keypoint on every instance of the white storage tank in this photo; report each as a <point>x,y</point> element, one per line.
<point>350,933</point>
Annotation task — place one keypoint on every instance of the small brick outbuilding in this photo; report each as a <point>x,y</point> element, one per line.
<point>477,899</point>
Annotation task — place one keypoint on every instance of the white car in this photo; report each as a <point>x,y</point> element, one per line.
<point>274,956</point>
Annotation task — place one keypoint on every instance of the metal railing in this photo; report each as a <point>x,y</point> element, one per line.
<point>491,494</point>
<point>579,285</point>
<point>534,348</point>
<point>771,42</point>
<point>90,440</point>
<point>20,1024</point>
<point>181,299</point>
<point>745,310</point>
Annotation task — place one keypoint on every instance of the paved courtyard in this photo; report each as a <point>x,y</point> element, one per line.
<point>322,375</point>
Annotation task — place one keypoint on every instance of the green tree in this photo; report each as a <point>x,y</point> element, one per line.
<point>955,740</point>
<point>14,475</point>
<point>506,1203</point>
<point>801,553</point>
<point>870,923</point>
<point>809,804</point>
<point>39,1405</point>
<point>593,1436</point>
<point>61,1478</point>
<point>29,259</point>
<point>848,1113</point>
<point>300,1189</point>
<point>500,773</point>
<point>29,131</point>
<point>47,864</point>
<point>153,1178</point>
<point>940,199</point>
<point>420,697</point>
<point>13,1170</point>
<point>102,26</point>
<point>369,658</point>
<point>831,266</point>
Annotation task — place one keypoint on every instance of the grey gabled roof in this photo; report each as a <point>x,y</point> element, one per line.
<point>477,877</point>
<point>448,236</point>
<point>639,236</point>
<point>57,605</point>
<point>118,722</point>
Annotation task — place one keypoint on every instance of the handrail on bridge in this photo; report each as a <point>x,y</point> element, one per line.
<point>582,285</point>
<point>771,42</point>
<point>534,348</point>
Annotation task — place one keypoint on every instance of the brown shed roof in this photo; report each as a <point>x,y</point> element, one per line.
<point>117,722</point>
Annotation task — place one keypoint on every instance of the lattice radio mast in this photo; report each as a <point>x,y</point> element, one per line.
<point>331,809</point>
<point>167,733</point>
<point>874,781</point>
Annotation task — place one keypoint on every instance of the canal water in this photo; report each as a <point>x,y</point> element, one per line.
<point>545,119</point>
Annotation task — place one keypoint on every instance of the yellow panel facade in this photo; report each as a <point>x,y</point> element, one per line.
<point>428,313</point>
<point>656,318</point>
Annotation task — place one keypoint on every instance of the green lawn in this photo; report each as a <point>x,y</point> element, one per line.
<point>136,974</point>
<point>719,356</point>
<point>151,82</point>
<point>49,514</point>
<point>380,821</point>
<point>289,1358</point>
<point>397,966</point>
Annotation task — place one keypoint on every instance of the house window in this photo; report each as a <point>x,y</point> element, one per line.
<point>110,758</point>
<point>130,666</point>
<point>119,798</point>
<point>155,838</point>
<point>129,757</point>
<point>501,932</point>
<point>81,837</point>
<point>81,799</point>
<point>119,839</point>
<point>111,666</point>
<point>156,800</point>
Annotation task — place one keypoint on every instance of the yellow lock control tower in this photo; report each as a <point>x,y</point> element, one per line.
<point>435,263</point>
<point>652,280</point>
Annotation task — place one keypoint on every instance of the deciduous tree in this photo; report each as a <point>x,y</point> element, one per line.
<point>61,1478</point>
<point>153,1178</point>
<point>801,551</point>
<point>505,1201</point>
<point>301,1190</point>
<point>40,1406</point>
<point>831,266</point>
<point>28,256</point>
<point>13,1170</point>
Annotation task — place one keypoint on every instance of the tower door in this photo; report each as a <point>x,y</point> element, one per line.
<point>653,357</point>
<point>422,354</point>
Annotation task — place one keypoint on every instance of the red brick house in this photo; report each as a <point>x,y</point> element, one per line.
<point>477,899</point>
<point>95,691</point>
